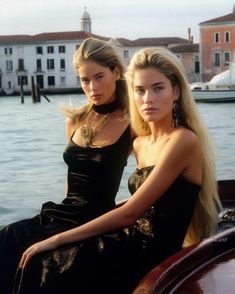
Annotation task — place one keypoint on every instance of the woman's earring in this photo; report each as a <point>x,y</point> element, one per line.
<point>144,124</point>
<point>175,114</point>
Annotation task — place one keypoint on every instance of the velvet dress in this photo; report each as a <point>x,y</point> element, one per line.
<point>114,263</point>
<point>94,176</point>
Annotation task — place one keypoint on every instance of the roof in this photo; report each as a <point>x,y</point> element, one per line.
<point>164,41</point>
<point>82,35</point>
<point>184,48</point>
<point>225,18</point>
<point>43,37</point>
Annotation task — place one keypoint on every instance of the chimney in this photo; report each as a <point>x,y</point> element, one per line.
<point>233,8</point>
<point>189,36</point>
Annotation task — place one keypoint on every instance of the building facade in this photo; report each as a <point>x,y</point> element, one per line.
<point>188,53</point>
<point>217,45</point>
<point>47,58</point>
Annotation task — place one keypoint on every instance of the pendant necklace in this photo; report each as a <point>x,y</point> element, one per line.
<point>87,130</point>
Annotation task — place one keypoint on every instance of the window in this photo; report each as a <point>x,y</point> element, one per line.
<point>50,49</point>
<point>227,37</point>
<point>62,64</point>
<point>217,59</point>
<point>39,64</point>
<point>8,50</point>
<point>62,81</point>
<point>226,58</point>
<point>9,65</point>
<point>51,81</point>
<point>216,37</point>
<point>126,54</point>
<point>50,64</point>
<point>39,50</point>
<point>20,64</point>
<point>61,49</point>
<point>24,80</point>
<point>196,65</point>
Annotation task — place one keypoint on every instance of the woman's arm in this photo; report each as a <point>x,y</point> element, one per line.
<point>175,160</point>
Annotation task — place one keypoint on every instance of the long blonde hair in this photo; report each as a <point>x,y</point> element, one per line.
<point>103,53</point>
<point>204,220</point>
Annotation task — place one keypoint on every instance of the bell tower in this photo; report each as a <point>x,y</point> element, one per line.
<point>85,22</point>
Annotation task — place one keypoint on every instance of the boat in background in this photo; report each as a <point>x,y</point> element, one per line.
<point>221,88</point>
<point>213,95</point>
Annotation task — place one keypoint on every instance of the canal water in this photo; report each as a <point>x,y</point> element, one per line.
<point>32,140</point>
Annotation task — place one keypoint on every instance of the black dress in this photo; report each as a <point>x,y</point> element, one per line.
<point>94,175</point>
<point>114,263</point>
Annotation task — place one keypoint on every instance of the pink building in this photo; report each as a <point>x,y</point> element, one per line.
<point>217,45</point>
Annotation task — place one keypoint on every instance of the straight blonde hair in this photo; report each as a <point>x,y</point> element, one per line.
<point>204,220</point>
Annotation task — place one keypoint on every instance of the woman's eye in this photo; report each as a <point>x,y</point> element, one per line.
<point>157,89</point>
<point>99,77</point>
<point>84,81</point>
<point>139,91</point>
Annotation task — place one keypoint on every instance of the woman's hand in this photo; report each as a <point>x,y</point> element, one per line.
<point>45,245</point>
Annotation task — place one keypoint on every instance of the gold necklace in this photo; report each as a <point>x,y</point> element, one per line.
<point>88,132</point>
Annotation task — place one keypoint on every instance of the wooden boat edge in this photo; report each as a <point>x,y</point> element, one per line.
<point>171,272</point>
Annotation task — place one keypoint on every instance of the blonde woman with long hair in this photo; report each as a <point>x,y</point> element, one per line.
<point>173,187</point>
<point>204,221</point>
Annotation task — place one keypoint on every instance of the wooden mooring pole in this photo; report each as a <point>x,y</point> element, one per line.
<point>33,92</point>
<point>44,95</point>
<point>21,90</point>
<point>37,92</point>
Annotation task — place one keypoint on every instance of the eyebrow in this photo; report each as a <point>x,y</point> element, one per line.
<point>153,85</point>
<point>97,74</point>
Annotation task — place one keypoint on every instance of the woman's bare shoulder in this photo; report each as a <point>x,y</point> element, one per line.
<point>71,122</point>
<point>186,135</point>
<point>185,140</point>
<point>71,125</point>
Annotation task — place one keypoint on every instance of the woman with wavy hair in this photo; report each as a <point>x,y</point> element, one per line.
<point>98,145</point>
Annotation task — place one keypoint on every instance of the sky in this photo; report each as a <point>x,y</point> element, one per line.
<point>131,19</point>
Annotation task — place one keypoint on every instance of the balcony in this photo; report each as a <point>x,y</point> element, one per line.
<point>39,70</point>
<point>21,71</point>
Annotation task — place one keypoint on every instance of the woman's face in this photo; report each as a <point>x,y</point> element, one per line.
<point>98,82</point>
<point>154,95</point>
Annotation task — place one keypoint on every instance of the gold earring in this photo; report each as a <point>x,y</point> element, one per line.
<point>176,114</point>
<point>144,125</point>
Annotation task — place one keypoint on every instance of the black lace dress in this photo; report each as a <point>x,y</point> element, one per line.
<point>114,263</point>
<point>94,175</point>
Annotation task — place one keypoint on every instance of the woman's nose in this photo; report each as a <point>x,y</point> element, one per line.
<point>93,85</point>
<point>148,98</point>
